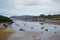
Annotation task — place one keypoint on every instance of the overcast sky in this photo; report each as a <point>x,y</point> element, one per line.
<point>29,7</point>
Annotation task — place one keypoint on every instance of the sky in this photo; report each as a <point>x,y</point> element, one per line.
<point>29,7</point>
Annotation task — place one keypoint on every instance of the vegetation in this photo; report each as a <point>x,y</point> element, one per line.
<point>5,33</point>
<point>42,16</point>
<point>49,16</point>
<point>4,19</point>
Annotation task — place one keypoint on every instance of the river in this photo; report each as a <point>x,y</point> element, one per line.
<point>47,30</point>
<point>37,26</point>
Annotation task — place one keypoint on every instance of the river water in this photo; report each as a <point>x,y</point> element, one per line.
<point>47,30</point>
<point>35,26</point>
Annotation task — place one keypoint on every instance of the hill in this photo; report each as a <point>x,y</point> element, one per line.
<point>23,17</point>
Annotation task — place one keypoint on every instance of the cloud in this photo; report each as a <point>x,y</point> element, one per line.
<point>6,4</point>
<point>32,3</point>
<point>57,1</point>
<point>29,7</point>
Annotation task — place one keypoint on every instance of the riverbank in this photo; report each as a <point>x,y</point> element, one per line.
<point>5,33</point>
<point>53,21</point>
<point>47,20</point>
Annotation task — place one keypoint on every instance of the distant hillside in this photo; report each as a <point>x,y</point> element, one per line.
<point>57,17</point>
<point>24,17</point>
<point>29,17</point>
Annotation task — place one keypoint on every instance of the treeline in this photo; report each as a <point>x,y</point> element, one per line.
<point>50,16</point>
<point>4,19</point>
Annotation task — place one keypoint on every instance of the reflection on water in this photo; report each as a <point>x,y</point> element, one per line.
<point>46,29</point>
<point>37,26</point>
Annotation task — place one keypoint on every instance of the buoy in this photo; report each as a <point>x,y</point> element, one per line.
<point>34,36</point>
<point>55,27</point>
<point>41,32</point>
<point>21,29</point>
<point>46,29</point>
<point>41,23</point>
<point>42,27</point>
<point>55,32</point>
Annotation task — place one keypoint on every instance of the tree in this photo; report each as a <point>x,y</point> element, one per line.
<point>4,19</point>
<point>49,16</point>
<point>42,16</point>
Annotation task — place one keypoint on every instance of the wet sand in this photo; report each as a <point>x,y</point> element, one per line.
<point>33,35</point>
<point>46,31</point>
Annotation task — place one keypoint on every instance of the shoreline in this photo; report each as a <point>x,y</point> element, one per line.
<point>47,21</point>
<point>53,21</point>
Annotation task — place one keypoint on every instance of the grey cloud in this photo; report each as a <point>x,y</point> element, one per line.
<point>32,3</point>
<point>5,4</point>
<point>29,7</point>
<point>57,1</point>
<point>40,3</point>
